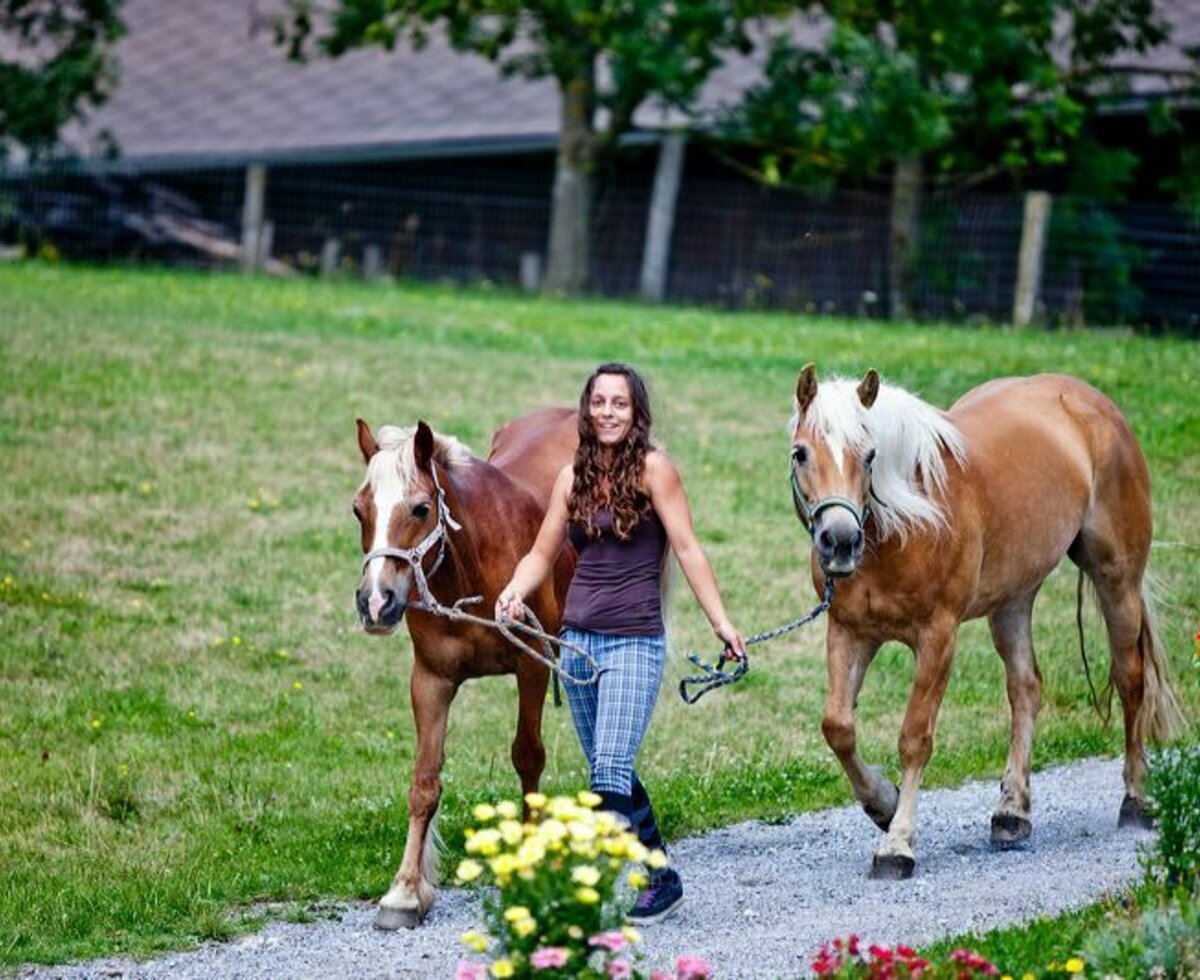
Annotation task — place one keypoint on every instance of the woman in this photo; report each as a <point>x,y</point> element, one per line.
<point>620,504</point>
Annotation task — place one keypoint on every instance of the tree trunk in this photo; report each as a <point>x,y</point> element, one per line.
<point>904,236</point>
<point>571,214</point>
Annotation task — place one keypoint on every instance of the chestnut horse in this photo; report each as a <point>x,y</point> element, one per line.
<point>929,518</point>
<point>435,518</point>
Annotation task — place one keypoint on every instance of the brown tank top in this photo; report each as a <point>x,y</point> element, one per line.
<point>617,586</point>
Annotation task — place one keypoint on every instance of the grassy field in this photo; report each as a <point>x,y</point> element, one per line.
<point>193,727</point>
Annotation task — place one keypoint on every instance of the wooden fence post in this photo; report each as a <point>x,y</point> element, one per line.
<point>331,253</point>
<point>253,205</point>
<point>1029,260</point>
<point>657,254</point>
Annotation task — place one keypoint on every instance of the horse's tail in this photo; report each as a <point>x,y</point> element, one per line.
<point>1161,717</point>
<point>431,852</point>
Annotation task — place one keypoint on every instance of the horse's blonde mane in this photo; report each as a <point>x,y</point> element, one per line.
<point>395,458</point>
<point>908,435</point>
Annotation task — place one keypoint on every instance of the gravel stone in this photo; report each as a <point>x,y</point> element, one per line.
<point>760,898</point>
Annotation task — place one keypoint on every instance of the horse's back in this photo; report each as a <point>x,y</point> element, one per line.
<point>1064,414</point>
<point>1049,456</point>
<point>533,449</point>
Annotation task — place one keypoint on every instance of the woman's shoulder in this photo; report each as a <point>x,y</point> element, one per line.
<point>659,467</point>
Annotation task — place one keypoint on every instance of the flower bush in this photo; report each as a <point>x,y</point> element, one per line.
<point>848,960</point>
<point>558,906</point>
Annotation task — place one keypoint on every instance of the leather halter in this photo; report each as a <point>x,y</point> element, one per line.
<point>808,514</point>
<point>415,555</point>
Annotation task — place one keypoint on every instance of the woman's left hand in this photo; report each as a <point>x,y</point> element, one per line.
<point>735,646</point>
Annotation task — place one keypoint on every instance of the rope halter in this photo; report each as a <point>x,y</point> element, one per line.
<point>415,556</point>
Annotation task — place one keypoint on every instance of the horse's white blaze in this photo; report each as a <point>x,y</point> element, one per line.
<point>389,493</point>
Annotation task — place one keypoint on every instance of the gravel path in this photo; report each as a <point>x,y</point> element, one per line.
<point>761,898</point>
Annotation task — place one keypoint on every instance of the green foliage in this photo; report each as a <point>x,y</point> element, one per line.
<point>71,71</point>
<point>1163,941</point>
<point>1173,787</point>
<point>973,87</point>
<point>649,48</point>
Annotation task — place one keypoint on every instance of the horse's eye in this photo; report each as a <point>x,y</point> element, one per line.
<point>870,459</point>
<point>421,511</point>
<point>800,455</point>
<point>358,509</point>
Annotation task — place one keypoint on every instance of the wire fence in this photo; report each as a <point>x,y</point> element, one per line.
<point>735,243</point>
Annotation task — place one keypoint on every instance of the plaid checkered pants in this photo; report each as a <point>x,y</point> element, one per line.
<point>612,715</point>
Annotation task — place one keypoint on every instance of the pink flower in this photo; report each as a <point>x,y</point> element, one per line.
<point>659,975</point>
<point>614,942</point>
<point>466,970</point>
<point>549,958</point>
<point>692,968</point>
<point>620,970</point>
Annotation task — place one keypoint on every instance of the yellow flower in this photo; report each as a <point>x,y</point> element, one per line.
<point>507,809</point>
<point>502,968</point>
<point>516,912</point>
<point>638,880</point>
<point>636,850</point>
<point>656,859</point>
<point>468,870</point>
<point>589,799</point>
<point>485,842</point>
<point>552,830</point>
<point>581,831</point>
<point>475,940</point>
<point>1074,965</point>
<point>503,866</point>
<point>511,832</point>
<point>587,896</point>
<point>585,874</point>
<point>483,812</point>
<point>631,934</point>
<point>574,932</point>
<point>523,927</point>
<point>535,800</point>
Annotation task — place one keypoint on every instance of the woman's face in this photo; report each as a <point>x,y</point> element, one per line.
<point>611,409</point>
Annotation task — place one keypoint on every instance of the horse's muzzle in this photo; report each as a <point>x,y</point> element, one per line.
<point>839,550</point>
<point>379,611</point>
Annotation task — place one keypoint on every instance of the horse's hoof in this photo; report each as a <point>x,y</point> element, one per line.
<point>1134,813</point>
<point>891,867</point>
<point>390,919</point>
<point>1009,830</point>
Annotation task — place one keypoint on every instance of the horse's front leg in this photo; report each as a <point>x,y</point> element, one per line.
<point>528,752</point>
<point>847,658</point>
<point>894,858</point>
<point>412,892</point>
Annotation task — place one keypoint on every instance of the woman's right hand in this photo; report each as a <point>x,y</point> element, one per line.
<point>509,605</point>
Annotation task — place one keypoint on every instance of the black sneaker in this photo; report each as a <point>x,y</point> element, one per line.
<point>658,899</point>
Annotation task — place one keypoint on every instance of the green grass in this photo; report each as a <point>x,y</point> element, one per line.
<point>193,725</point>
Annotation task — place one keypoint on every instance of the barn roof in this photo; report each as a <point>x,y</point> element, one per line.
<point>204,82</point>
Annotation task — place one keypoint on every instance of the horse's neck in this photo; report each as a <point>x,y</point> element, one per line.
<point>463,498</point>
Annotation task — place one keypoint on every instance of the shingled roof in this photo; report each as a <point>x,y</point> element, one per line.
<point>203,82</point>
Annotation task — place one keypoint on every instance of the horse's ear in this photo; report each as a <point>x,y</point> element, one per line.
<point>366,441</point>
<point>423,446</point>
<point>868,388</point>
<point>806,387</point>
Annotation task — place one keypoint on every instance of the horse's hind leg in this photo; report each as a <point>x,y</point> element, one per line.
<point>528,752</point>
<point>1013,635</point>
<point>411,895</point>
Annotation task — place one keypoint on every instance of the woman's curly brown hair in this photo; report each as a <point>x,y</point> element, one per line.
<point>623,470</point>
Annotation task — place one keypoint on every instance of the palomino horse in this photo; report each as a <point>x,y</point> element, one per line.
<point>928,518</point>
<point>435,518</point>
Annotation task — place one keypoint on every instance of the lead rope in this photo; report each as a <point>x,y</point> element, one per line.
<point>508,629</point>
<point>714,675</point>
